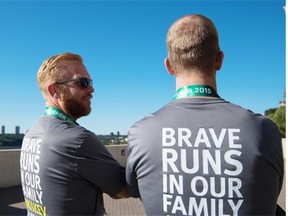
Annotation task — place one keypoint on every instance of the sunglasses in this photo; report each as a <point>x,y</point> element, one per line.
<point>81,82</point>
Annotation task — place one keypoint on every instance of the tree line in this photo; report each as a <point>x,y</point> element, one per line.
<point>278,115</point>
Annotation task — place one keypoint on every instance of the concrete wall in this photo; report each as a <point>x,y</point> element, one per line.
<point>119,152</point>
<point>284,148</point>
<point>10,164</point>
<point>9,168</point>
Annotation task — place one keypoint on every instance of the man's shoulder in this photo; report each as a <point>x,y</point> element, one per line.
<point>242,112</point>
<point>151,116</point>
<point>51,126</point>
<point>149,122</point>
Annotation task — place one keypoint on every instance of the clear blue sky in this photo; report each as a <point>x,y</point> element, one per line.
<point>123,46</point>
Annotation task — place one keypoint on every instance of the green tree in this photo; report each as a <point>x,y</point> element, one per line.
<point>279,117</point>
<point>270,111</point>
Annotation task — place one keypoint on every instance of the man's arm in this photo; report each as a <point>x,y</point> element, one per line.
<point>122,194</point>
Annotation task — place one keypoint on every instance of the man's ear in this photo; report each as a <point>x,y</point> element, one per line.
<point>219,60</point>
<point>53,91</point>
<point>169,67</point>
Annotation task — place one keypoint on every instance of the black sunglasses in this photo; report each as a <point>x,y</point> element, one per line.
<point>82,82</point>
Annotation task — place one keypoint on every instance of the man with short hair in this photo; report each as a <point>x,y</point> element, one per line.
<point>200,154</point>
<point>64,167</point>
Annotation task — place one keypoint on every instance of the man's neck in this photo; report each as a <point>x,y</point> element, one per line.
<point>196,80</point>
<point>58,106</point>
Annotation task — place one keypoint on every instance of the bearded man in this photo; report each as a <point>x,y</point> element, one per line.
<point>65,167</point>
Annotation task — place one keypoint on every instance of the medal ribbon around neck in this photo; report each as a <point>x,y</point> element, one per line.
<point>195,90</point>
<point>53,111</point>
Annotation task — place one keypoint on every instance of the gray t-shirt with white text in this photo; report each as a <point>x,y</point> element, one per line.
<point>65,169</point>
<point>200,156</point>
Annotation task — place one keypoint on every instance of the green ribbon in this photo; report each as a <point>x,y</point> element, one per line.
<point>195,90</point>
<point>53,111</point>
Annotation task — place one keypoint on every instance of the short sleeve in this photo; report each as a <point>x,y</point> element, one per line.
<point>132,159</point>
<point>97,166</point>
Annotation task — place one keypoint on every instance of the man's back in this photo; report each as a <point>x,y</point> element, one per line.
<point>65,168</point>
<point>205,157</point>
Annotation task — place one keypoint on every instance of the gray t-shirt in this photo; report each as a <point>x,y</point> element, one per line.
<point>65,169</point>
<point>200,156</point>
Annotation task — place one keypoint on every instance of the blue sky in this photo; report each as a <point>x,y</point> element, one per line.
<point>123,46</point>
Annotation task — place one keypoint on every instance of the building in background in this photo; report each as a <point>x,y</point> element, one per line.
<point>17,130</point>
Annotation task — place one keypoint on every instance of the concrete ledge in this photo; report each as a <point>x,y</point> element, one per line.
<point>9,167</point>
<point>284,147</point>
<point>119,152</point>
